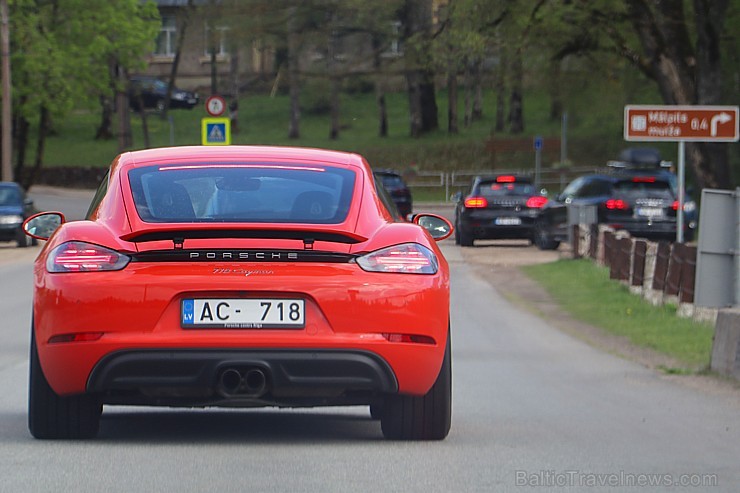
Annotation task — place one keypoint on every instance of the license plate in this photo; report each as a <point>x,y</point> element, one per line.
<point>508,221</point>
<point>240,313</point>
<point>649,212</point>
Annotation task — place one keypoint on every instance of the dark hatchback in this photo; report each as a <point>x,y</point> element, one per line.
<point>397,189</point>
<point>642,202</point>
<point>15,207</point>
<point>497,207</point>
<point>152,93</point>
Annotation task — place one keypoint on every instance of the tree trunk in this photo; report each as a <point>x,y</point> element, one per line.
<point>335,81</point>
<point>125,139</point>
<point>500,94</point>
<point>468,118</point>
<point>178,53</point>
<point>44,125</point>
<point>710,159</point>
<point>105,129</point>
<point>379,90</point>
<point>452,127</point>
<point>516,112</point>
<point>477,113</point>
<point>554,88</point>
<point>234,105</point>
<point>21,128</point>
<point>294,88</point>
<point>423,116</point>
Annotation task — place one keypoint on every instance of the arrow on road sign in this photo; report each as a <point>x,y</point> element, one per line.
<point>716,119</point>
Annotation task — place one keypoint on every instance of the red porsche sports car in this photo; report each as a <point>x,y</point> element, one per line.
<point>240,276</point>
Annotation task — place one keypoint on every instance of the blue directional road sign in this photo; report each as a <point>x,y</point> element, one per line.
<point>216,131</point>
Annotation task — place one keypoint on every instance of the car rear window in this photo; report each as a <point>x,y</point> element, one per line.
<point>644,188</point>
<point>392,181</point>
<point>497,189</point>
<point>245,192</point>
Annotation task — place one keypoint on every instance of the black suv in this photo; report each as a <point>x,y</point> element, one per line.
<point>497,207</point>
<point>152,93</point>
<point>397,189</point>
<point>640,198</point>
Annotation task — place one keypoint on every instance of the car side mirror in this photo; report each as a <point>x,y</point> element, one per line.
<point>437,226</point>
<point>41,226</point>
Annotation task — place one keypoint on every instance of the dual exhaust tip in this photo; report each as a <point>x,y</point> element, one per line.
<point>236,383</point>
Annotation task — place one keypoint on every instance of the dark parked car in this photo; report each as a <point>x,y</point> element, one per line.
<point>398,190</point>
<point>152,92</point>
<point>497,207</point>
<point>15,207</point>
<point>642,201</point>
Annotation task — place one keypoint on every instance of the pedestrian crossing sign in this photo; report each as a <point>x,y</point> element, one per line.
<point>216,131</point>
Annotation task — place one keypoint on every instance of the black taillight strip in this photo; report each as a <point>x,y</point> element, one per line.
<point>268,234</point>
<point>242,255</point>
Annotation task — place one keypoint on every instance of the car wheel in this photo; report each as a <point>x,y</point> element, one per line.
<point>457,232</point>
<point>427,417</point>
<point>466,239</point>
<point>22,239</point>
<point>376,409</point>
<point>542,239</point>
<point>160,105</point>
<point>51,416</point>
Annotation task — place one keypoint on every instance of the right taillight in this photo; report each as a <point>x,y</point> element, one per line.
<point>77,256</point>
<point>406,258</point>
<point>536,202</point>
<point>476,202</point>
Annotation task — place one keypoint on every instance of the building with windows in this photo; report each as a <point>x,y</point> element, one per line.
<point>211,44</point>
<point>207,45</point>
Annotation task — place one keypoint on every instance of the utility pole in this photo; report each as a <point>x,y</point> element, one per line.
<point>7,130</point>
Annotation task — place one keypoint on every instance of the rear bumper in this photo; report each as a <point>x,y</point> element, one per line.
<point>487,227</point>
<point>194,377</point>
<point>9,232</point>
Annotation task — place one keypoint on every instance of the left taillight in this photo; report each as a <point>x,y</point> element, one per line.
<point>77,256</point>
<point>406,258</point>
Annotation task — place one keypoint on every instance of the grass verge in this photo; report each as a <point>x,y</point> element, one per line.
<point>585,291</point>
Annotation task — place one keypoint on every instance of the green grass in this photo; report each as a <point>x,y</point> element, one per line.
<point>264,120</point>
<point>586,292</point>
<point>594,105</point>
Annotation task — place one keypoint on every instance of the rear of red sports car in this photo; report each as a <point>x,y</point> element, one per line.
<point>240,276</point>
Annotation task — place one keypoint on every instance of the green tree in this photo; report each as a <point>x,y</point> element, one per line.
<point>677,44</point>
<point>62,51</point>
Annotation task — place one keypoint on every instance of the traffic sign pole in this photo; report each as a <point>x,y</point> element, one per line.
<point>681,193</point>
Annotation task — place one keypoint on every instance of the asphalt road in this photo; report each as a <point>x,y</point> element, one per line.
<point>534,410</point>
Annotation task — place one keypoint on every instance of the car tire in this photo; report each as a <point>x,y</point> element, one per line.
<point>542,239</point>
<point>51,416</point>
<point>466,239</point>
<point>159,105</point>
<point>457,232</point>
<point>427,417</point>
<point>22,239</point>
<point>376,410</point>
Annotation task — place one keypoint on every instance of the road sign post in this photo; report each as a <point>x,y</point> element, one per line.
<point>645,123</point>
<point>538,144</point>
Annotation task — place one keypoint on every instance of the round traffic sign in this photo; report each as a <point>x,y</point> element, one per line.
<point>215,105</point>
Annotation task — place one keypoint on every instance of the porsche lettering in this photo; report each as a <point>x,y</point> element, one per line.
<point>243,256</point>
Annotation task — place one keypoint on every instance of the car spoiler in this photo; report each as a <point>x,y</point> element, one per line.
<point>179,233</point>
